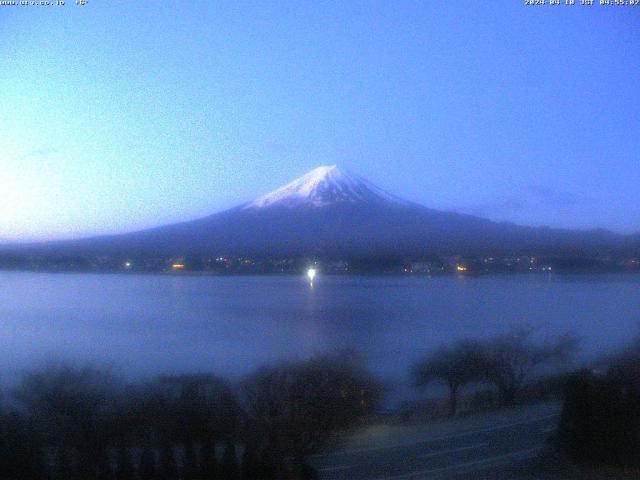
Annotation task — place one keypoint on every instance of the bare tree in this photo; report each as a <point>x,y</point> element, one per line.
<point>510,359</point>
<point>454,366</point>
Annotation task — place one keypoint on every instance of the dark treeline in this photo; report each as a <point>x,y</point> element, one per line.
<point>66,423</point>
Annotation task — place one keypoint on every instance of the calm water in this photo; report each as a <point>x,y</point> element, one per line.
<point>147,324</point>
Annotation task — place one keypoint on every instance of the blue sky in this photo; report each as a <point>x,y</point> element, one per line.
<point>122,115</point>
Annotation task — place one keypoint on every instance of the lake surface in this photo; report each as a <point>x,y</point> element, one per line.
<point>144,324</point>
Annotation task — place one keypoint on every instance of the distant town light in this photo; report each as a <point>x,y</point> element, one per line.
<point>461,268</point>
<point>177,266</point>
<point>127,264</point>
<point>311,274</point>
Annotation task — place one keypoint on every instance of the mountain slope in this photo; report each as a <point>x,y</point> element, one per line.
<point>335,213</point>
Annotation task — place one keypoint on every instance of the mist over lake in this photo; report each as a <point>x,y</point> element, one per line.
<point>147,324</point>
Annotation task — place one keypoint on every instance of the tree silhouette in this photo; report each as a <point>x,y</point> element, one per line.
<point>73,409</point>
<point>511,358</point>
<point>190,463</point>
<point>64,468</point>
<point>250,462</point>
<point>147,469</point>
<point>124,464</point>
<point>455,366</point>
<point>230,469</point>
<point>102,469</point>
<point>21,452</point>
<point>296,409</point>
<point>167,468</point>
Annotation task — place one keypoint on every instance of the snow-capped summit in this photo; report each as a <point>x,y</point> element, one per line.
<point>326,185</point>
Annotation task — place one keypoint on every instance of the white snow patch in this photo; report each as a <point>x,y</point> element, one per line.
<point>323,186</point>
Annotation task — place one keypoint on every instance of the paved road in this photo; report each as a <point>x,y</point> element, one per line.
<point>445,449</point>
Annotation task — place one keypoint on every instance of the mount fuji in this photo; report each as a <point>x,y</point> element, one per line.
<point>334,213</point>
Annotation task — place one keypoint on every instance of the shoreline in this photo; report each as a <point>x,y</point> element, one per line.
<point>560,273</point>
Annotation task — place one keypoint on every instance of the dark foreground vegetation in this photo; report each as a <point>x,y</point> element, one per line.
<point>600,421</point>
<point>65,423</point>
<point>69,423</point>
<point>598,434</point>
